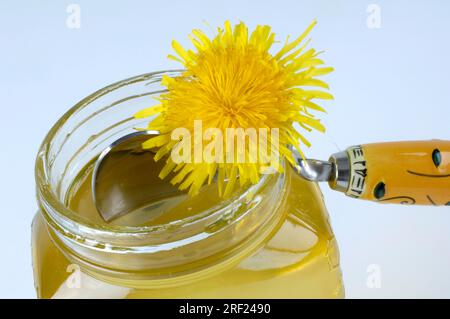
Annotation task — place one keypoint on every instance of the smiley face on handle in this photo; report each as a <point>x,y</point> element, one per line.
<point>408,172</point>
<point>436,157</point>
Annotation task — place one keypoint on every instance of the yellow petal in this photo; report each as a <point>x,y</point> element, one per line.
<point>156,141</point>
<point>148,111</point>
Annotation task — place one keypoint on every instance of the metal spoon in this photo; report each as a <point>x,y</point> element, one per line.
<point>122,181</point>
<point>125,177</point>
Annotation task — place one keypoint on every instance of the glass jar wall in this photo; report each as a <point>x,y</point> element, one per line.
<point>269,240</point>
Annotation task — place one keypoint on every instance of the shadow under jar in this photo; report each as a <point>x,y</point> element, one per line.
<point>269,240</point>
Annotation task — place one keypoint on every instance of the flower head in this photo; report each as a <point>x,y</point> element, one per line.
<point>234,81</point>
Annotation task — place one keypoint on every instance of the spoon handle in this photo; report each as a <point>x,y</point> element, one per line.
<point>410,172</point>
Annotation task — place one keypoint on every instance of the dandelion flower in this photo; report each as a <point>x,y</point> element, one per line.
<point>232,80</point>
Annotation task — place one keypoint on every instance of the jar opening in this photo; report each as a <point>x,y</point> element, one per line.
<point>81,135</point>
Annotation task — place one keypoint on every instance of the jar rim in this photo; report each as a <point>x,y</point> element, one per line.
<point>64,217</point>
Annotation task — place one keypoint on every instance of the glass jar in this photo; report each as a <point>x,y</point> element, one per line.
<point>273,240</point>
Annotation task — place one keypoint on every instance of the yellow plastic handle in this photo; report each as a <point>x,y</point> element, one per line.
<point>415,172</point>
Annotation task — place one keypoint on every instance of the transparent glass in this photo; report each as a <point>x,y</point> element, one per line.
<point>272,240</point>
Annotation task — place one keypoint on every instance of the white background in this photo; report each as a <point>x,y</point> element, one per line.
<point>390,83</point>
